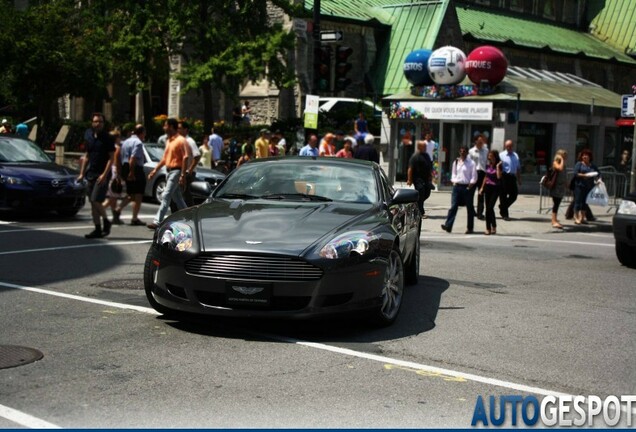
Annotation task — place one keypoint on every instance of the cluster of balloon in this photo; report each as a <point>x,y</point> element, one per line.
<point>449,66</point>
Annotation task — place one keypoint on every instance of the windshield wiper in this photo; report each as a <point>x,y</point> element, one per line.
<point>283,196</point>
<point>237,195</point>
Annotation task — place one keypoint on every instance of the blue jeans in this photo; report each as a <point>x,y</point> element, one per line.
<point>172,192</point>
<point>461,195</point>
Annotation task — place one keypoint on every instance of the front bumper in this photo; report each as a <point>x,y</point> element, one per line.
<point>26,198</point>
<point>356,285</point>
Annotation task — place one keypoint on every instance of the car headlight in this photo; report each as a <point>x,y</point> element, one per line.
<point>627,207</point>
<point>175,236</point>
<point>13,181</point>
<point>359,242</point>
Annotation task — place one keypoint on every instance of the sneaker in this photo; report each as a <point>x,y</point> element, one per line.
<point>137,222</point>
<point>94,234</point>
<point>152,226</point>
<point>106,230</point>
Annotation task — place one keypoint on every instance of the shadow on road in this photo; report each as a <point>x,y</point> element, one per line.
<point>417,315</point>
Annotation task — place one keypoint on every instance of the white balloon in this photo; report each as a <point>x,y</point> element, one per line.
<point>446,65</point>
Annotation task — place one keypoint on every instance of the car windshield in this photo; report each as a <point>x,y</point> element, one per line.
<point>21,150</point>
<point>302,181</point>
<point>155,151</point>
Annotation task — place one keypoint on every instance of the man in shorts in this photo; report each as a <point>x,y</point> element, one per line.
<point>96,169</point>
<point>132,171</point>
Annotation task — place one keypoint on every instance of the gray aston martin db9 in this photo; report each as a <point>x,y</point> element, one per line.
<point>289,237</point>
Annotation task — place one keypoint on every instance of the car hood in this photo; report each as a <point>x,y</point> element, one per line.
<point>261,226</point>
<point>36,170</point>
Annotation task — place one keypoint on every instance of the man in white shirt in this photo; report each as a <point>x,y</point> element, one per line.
<point>511,167</point>
<point>479,154</point>
<point>464,179</point>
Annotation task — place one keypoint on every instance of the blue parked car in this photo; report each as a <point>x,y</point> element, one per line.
<point>31,182</point>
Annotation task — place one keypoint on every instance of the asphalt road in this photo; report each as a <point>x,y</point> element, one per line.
<point>501,315</point>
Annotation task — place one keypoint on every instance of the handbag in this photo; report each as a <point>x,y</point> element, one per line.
<point>548,181</point>
<point>116,187</point>
<point>598,195</point>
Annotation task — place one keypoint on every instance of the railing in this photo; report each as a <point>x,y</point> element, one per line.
<point>616,183</point>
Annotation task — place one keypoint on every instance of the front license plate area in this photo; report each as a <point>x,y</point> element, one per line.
<point>248,295</point>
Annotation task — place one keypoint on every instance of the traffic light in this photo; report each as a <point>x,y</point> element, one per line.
<point>323,68</point>
<point>343,67</point>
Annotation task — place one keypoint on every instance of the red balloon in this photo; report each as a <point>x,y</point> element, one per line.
<point>486,63</point>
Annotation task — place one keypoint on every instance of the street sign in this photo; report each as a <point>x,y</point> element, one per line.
<point>627,105</point>
<point>331,36</point>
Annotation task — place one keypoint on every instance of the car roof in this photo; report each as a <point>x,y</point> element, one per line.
<point>321,160</point>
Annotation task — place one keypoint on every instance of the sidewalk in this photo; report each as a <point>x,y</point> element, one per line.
<point>526,219</point>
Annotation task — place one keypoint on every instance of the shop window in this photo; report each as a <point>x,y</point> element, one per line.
<point>611,152</point>
<point>583,134</point>
<point>534,147</point>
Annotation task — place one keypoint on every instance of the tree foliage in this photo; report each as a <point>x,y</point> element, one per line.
<point>59,47</point>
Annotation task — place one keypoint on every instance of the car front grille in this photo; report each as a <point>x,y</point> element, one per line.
<point>56,183</point>
<point>253,267</point>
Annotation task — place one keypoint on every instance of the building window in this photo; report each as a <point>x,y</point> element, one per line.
<point>534,147</point>
<point>548,9</point>
<point>516,5</point>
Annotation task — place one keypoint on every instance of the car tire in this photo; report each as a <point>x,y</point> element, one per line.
<point>392,291</point>
<point>412,271</point>
<point>149,283</point>
<point>626,254</point>
<point>158,189</point>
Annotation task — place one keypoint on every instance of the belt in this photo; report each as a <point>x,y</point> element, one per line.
<point>172,169</point>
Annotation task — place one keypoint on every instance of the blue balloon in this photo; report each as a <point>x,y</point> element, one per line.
<point>416,67</point>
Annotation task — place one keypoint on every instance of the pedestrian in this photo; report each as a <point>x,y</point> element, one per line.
<point>272,148</point>
<point>132,171</point>
<point>96,169</point>
<point>327,147</point>
<point>361,126</point>
<point>419,174</point>
<point>479,154</point>
<point>510,181</point>
<point>346,151</point>
<point>246,156</point>
<point>365,149</point>
<point>311,149</point>
<point>464,179</point>
<point>5,127</point>
<point>237,116</point>
<point>206,154</point>
<point>560,185</point>
<point>176,159</point>
<point>246,113</point>
<point>339,141</point>
<point>585,172</point>
<point>282,142</point>
<point>261,145</point>
<point>184,130</point>
<point>215,144</point>
<point>115,191</point>
<point>490,189</point>
<point>22,130</point>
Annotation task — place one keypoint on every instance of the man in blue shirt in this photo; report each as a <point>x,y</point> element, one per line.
<point>311,149</point>
<point>511,178</point>
<point>215,144</point>
<point>132,171</point>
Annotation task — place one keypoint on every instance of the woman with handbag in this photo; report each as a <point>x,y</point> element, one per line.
<point>560,185</point>
<point>584,174</point>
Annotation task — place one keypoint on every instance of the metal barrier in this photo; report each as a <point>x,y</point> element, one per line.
<point>616,183</point>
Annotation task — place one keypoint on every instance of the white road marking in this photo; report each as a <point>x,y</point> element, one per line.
<point>60,228</point>
<point>505,237</point>
<point>338,350</point>
<point>80,298</point>
<point>33,422</point>
<point>24,419</point>
<point>59,248</point>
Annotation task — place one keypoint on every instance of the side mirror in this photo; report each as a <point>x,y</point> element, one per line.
<point>405,196</point>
